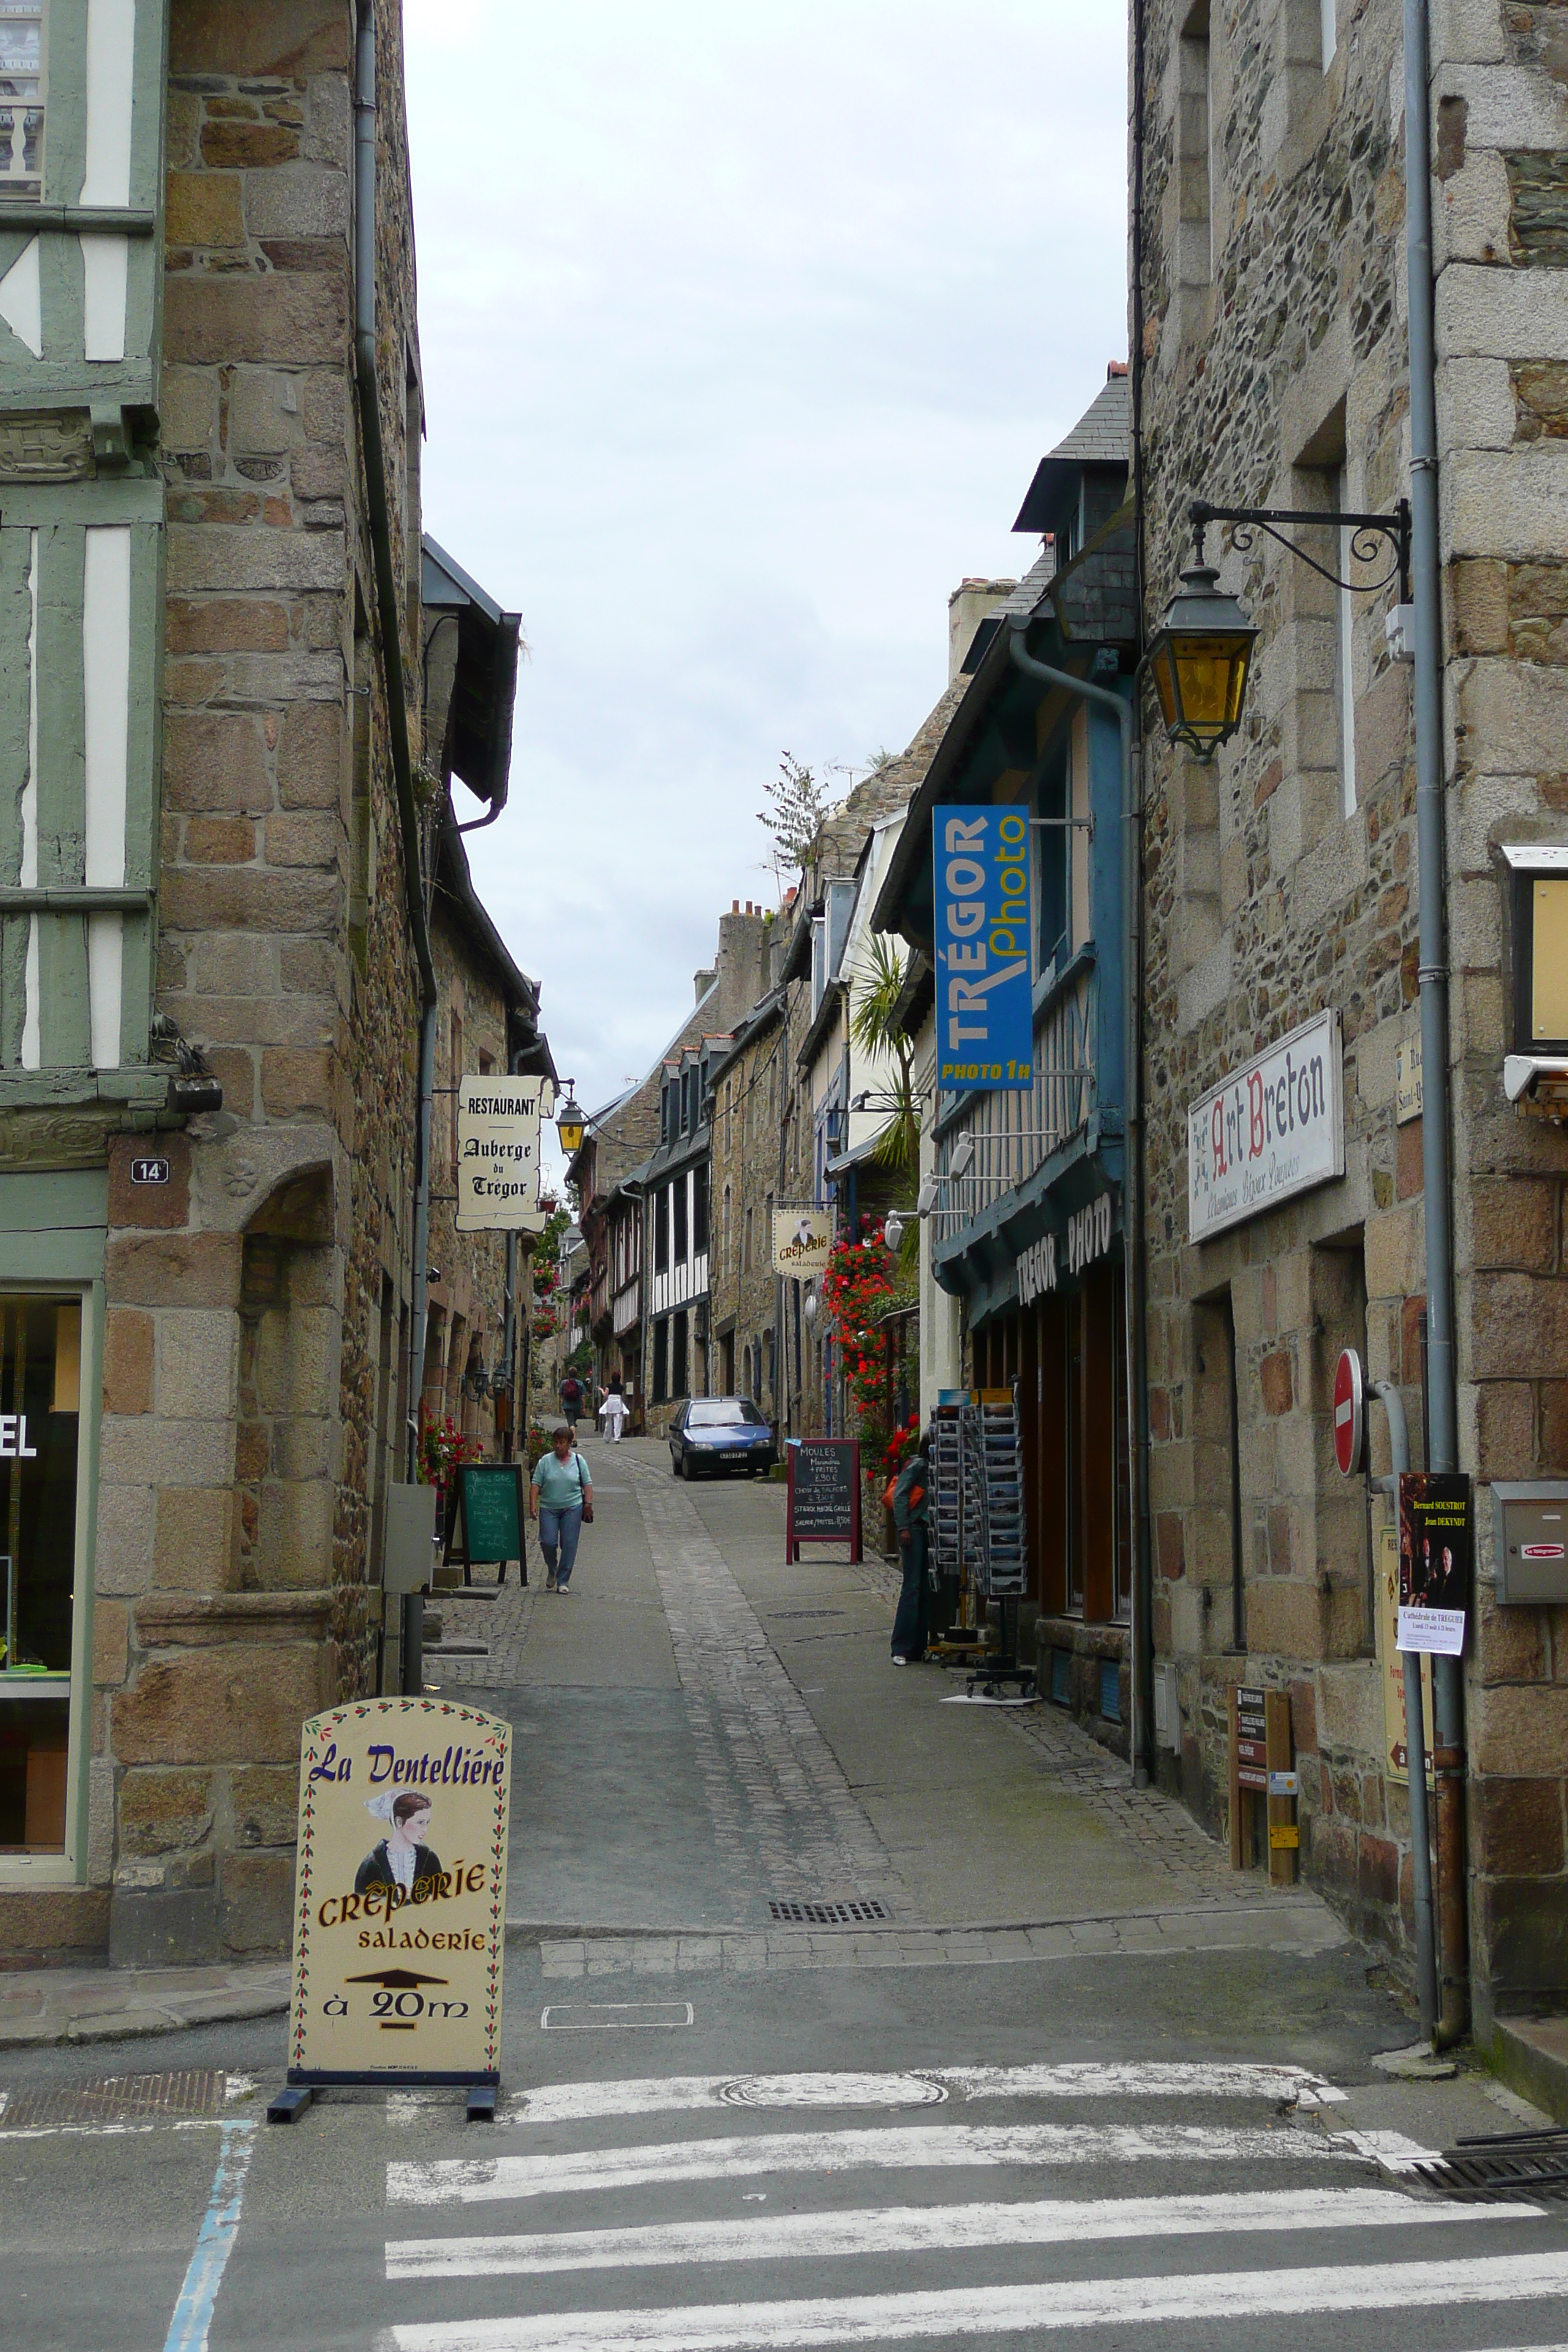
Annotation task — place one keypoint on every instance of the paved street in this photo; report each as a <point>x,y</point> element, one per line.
<point>837,2014</point>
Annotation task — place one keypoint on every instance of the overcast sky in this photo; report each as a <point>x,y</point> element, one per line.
<point>744,328</point>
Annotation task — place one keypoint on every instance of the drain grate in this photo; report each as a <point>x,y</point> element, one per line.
<point>121,2098</point>
<point>780,1614</point>
<point>1501,2166</point>
<point>829,1915</point>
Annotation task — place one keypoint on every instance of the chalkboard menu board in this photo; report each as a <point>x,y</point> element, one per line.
<point>824,1493</point>
<point>489,1495</point>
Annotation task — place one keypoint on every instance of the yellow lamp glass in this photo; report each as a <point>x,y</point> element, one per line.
<point>1200,659</point>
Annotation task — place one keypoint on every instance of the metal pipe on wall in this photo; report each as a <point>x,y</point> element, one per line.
<point>390,618</point>
<point>1442,1435</point>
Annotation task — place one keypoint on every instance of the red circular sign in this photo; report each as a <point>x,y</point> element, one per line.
<point>1350,1413</point>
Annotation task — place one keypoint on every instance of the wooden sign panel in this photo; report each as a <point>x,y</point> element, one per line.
<point>491,1496</point>
<point>824,1493</point>
<point>400,1894</point>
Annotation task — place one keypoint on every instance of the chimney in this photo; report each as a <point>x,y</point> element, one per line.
<point>703,981</point>
<point>969,603</point>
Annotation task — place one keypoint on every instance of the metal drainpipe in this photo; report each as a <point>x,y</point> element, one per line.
<point>397,727</point>
<point>1442,1435</point>
<point>1142,1742</point>
<point>1416,1744</point>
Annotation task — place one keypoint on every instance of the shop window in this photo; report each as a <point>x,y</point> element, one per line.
<point>1073,1494</point>
<point>21,100</point>
<point>661,1360</point>
<point>678,1355</point>
<point>40,1398</point>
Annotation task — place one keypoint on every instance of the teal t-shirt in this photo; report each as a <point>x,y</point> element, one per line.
<point>562,1484</point>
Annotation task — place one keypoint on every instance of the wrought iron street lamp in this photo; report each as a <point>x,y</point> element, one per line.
<point>1201,654</point>
<point>571,1124</point>
<point>1199,659</point>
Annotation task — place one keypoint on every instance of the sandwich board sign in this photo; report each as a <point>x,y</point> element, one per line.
<point>400,1899</point>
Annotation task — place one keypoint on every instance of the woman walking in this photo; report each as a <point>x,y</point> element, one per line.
<point>613,1411</point>
<point>911,1508</point>
<point>559,1497</point>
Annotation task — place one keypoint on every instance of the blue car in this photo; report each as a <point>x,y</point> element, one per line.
<point>713,1435</point>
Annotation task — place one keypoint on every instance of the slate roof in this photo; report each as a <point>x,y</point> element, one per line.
<point>1102,436</point>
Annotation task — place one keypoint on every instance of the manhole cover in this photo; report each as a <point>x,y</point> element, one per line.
<point>119,2098</point>
<point>1502,2167</point>
<point>829,1915</point>
<point>780,1614</point>
<point>833,2091</point>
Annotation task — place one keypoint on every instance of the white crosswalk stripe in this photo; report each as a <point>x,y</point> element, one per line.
<point>1078,2261</point>
<point>462,2182</point>
<point>557,2102</point>
<point>918,2229</point>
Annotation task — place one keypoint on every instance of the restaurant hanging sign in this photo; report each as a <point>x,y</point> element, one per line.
<point>802,1240</point>
<point>1275,1128</point>
<point>499,1122</point>
<point>984,997</point>
<point>400,1894</point>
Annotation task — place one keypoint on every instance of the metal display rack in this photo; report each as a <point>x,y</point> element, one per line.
<point>995,1467</point>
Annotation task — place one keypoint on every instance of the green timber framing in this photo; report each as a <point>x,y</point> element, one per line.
<point>82,513</point>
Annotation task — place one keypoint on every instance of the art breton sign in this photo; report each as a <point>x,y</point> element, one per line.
<point>1434,1561</point>
<point>803,1241</point>
<point>498,1153</point>
<point>1088,1238</point>
<point>985,999</point>
<point>1274,1129</point>
<point>400,1894</point>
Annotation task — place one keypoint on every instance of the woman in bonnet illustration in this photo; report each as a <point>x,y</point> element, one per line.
<point>402,1858</point>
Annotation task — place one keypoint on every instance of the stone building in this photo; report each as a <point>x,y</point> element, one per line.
<point>231,806</point>
<point>1271,334</point>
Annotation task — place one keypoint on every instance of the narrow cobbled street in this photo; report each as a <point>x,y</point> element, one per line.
<point>837,2011</point>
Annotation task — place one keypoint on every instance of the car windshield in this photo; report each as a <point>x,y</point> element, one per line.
<point>720,1412</point>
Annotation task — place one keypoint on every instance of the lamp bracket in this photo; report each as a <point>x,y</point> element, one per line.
<point>1365,530</point>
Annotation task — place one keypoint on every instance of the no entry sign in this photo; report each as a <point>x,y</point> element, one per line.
<point>1350,1413</point>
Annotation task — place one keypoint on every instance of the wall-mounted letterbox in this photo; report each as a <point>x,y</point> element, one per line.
<point>1532,1540</point>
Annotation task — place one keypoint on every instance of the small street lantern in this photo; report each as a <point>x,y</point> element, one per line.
<point>570,1124</point>
<point>893,1229</point>
<point>1199,658</point>
<point>809,1306</point>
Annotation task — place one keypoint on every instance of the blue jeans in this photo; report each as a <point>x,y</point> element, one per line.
<point>558,1532</point>
<point>910,1624</point>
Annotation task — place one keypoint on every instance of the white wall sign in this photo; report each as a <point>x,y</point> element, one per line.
<point>1275,1128</point>
<point>1088,1238</point>
<point>498,1153</point>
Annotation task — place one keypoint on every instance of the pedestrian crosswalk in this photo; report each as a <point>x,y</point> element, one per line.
<point>728,2231</point>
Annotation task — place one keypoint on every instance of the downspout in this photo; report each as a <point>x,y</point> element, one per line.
<point>1143,1729</point>
<point>1442,1435</point>
<point>387,606</point>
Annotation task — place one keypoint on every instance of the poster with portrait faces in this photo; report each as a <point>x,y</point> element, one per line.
<point>400,1891</point>
<point>1434,1561</point>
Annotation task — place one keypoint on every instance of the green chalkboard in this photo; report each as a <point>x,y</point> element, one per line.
<point>490,1494</point>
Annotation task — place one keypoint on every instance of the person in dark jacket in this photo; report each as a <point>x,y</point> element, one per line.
<point>909,1507</point>
<point>402,1859</point>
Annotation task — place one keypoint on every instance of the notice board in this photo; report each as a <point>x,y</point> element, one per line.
<point>489,1501</point>
<point>400,1894</point>
<point>824,1493</point>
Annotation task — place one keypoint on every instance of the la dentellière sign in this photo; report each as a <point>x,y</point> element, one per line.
<point>1273,1129</point>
